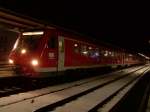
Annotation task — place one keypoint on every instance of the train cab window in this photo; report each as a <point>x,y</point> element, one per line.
<point>28,41</point>
<point>52,43</point>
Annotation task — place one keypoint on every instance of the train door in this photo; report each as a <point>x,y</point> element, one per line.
<point>50,53</point>
<point>61,54</point>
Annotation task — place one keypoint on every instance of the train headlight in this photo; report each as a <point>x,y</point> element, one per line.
<point>11,61</point>
<point>23,51</point>
<point>34,62</point>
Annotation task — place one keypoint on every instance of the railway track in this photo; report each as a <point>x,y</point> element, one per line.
<point>91,100</point>
<point>13,84</point>
<point>6,70</point>
<point>9,81</point>
<point>82,96</point>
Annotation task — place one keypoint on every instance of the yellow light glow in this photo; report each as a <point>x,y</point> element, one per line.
<point>33,33</point>
<point>34,62</point>
<point>23,51</point>
<point>11,61</point>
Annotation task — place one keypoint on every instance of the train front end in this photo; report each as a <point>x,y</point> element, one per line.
<point>25,54</point>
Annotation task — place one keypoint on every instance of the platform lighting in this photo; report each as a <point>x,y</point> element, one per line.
<point>34,33</point>
<point>146,57</point>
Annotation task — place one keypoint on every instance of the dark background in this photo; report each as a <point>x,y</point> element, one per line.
<point>124,24</point>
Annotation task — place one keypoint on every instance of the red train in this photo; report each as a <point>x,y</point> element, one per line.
<point>46,52</point>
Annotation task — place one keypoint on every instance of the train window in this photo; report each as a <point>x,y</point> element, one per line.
<point>76,48</point>
<point>84,50</point>
<point>94,53</point>
<point>91,52</point>
<point>97,52</point>
<point>109,53</point>
<point>90,47</point>
<point>113,54</point>
<point>52,42</point>
<point>106,53</point>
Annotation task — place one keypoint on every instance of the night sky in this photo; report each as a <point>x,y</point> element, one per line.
<point>123,24</point>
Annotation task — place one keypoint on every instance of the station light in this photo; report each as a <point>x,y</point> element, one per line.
<point>146,57</point>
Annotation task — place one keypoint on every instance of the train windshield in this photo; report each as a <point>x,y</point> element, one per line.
<point>29,40</point>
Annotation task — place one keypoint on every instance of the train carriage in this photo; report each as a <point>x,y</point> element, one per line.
<point>45,52</point>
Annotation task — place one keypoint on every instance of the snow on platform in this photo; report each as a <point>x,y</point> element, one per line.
<point>33,100</point>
